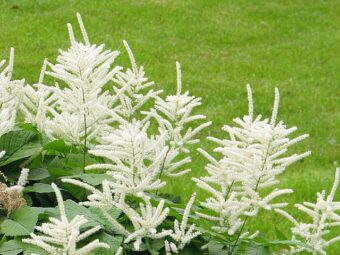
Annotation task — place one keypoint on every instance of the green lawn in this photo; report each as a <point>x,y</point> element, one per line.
<point>222,46</point>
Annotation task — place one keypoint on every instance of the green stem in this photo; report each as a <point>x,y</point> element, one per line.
<point>162,168</point>
<point>85,135</point>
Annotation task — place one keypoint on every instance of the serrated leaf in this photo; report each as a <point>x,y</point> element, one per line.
<point>38,174</point>
<point>22,222</point>
<point>254,249</point>
<point>279,234</point>
<point>18,144</point>
<point>12,247</point>
<point>113,241</point>
<point>16,246</point>
<point>39,188</point>
<point>93,218</point>
<point>215,248</point>
<point>154,245</point>
<point>57,145</point>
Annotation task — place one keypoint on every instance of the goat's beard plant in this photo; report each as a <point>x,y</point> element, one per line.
<point>113,138</point>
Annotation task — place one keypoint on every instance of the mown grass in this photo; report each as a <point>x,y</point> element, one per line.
<point>222,46</point>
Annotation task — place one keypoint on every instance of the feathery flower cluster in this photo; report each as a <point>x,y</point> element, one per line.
<point>122,118</point>
<point>133,90</point>
<point>182,234</point>
<point>82,109</point>
<point>111,110</point>
<point>9,95</point>
<point>136,158</point>
<point>60,236</point>
<point>94,97</point>
<point>251,160</point>
<point>176,111</point>
<point>144,219</point>
<point>325,214</point>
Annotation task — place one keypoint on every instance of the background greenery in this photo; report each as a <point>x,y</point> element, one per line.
<point>222,46</point>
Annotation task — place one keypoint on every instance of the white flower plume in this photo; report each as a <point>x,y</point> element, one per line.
<point>145,219</point>
<point>83,108</point>
<point>10,92</point>
<point>136,159</point>
<point>251,160</point>
<point>60,236</point>
<point>182,234</point>
<point>133,90</point>
<point>325,214</point>
<point>35,102</point>
<point>177,111</point>
<point>21,182</point>
<point>145,222</point>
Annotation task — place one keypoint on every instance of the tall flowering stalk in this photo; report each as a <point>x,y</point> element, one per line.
<point>61,236</point>
<point>82,109</point>
<point>175,118</point>
<point>251,159</point>
<point>9,95</point>
<point>182,233</point>
<point>325,214</point>
<point>133,89</point>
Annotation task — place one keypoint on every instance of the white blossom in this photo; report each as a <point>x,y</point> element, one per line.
<point>133,89</point>
<point>325,214</point>
<point>35,102</point>
<point>10,92</point>
<point>60,236</point>
<point>119,251</point>
<point>251,159</point>
<point>19,187</point>
<point>145,222</point>
<point>145,219</point>
<point>174,114</point>
<point>136,160</point>
<point>182,233</point>
<point>83,109</point>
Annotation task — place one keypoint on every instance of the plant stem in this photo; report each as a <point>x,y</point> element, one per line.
<point>163,164</point>
<point>85,135</point>
<point>162,168</point>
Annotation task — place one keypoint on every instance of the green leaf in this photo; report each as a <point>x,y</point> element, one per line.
<point>18,144</point>
<point>57,168</point>
<point>38,174</point>
<point>22,222</point>
<point>28,150</point>
<point>57,145</point>
<point>215,248</point>
<point>154,245</point>
<point>39,188</point>
<point>113,241</point>
<point>12,247</point>
<point>92,179</point>
<point>254,249</point>
<point>30,249</point>
<point>28,127</point>
<point>279,234</point>
<point>93,218</point>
